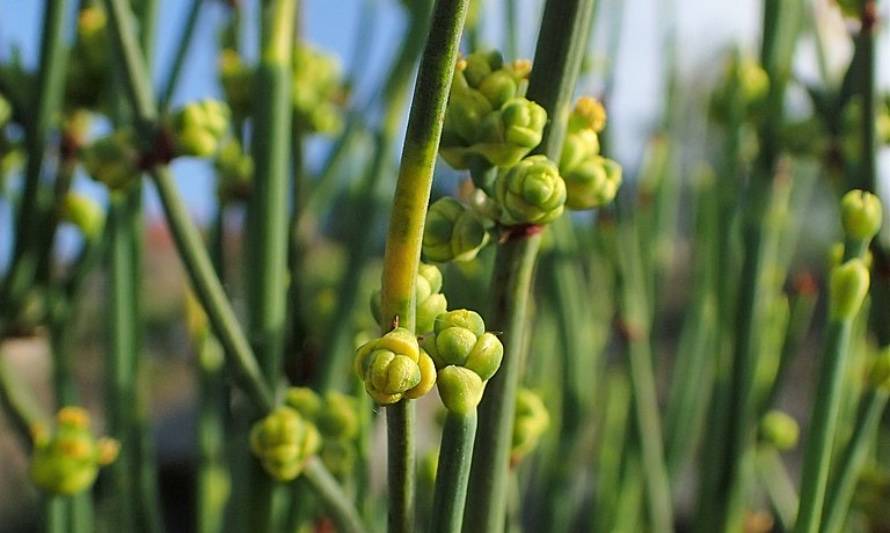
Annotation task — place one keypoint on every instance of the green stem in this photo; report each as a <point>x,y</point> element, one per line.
<point>20,405</point>
<point>182,49</point>
<point>852,460</point>
<point>332,497</point>
<point>402,255</point>
<point>778,485</point>
<point>55,514</point>
<point>817,457</point>
<point>214,481</point>
<point>453,472</point>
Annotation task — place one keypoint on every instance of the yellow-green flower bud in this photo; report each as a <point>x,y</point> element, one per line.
<point>510,133</point>
<point>430,301</point>
<point>847,289</point>
<point>592,184</point>
<point>338,457</point>
<point>427,376</point>
<point>780,430</point>
<point>453,232</point>
<point>113,160</point>
<point>68,461</point>
<point>392,366</point>
<point>578,147</point>
<point>84,213</point>
<point>5,111</point>
<point>236,79</point>
<point>530,422</point>
<point>879,372</point>
<point>460,339</point>
<point>861,215</point>
<point>532,192</point>
<point>317,90</point>
<point>283,441</point>
<point>460,389</point>
<point>588,114</point>
<point>338,418</point>
<point>199,127</point>
<point>305,401</point>
<point>235,171</point>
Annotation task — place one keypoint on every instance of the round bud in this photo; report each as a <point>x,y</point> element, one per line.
<point>5,111</point>
<point>427,311</point>
<point>461,318</point>
<point>460,389</point>
<point>861,215</point>
<point>530,422</point>
<point>592,184</point>
<point>588,114</point>
<point>391,374</point>
<point>113,160</point>
<point>318,91</point>
<point>283,441</point>
<point>879,372</point>
<point>338,418</point>
<point>198,127</point>
<point>510,133</point>
<point>847,289</point>
<point>532,192</point>
<point>303,400</point>
<point>578,147</point>
<point>84,213</point>
<point>427,377</point>
<point>780,430</point>
<point>338,457</point>
<point>452,232</point>
<point>486,356</point>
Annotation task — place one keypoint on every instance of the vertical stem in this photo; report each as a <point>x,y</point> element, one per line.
<point>182,49</point>
<point>453,472</point>
<point>332,498</point>
<point>405,233</point>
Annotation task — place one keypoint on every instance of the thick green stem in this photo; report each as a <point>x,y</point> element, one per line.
<point>332,497</point>
<point>852,460</point>
<point>453,472</point>
<point>402,256</point>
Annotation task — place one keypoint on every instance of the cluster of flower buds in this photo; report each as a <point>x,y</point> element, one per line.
<point>487,116</point>
<point>465,355</point>
<point>283,441</point>
<point>780,430</point>
<point>199,128</point>
<point>236,79</point>
<point>742,89</point>
<point>591,180</point>
<point>394,366</point>
<point>529,423</point>
<point>84,213</point>
<point>88,68</point>
<point>531,192</point>
<point>430,300</point>
<point>861,216</point>
<point>234,169</point>
<point>317,90</point>
<point>68,461</point>
<point>453,232</point>
<point>336,417</point>
<point>113,159</point>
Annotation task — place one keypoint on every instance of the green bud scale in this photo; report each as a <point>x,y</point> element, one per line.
<point>283,441</point>
<point>394,366</point>
<point>532,192</point>
<point>453,232</point>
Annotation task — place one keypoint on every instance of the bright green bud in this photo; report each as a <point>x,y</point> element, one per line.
<point>486,356</point>
<point>113,160</point>
<point>430,302</point>
<point>199,127</point>
<point>236,79</point>
<point>879,372</point>
<point>780,430</point>
<point>283,441</point>
<point>391,366</point>
<point>235,171</point>
<point>389,373</point>
<point>460,389</point>
<point>461,318</point>
<point>530,422</point>
<point>577,148</point>
<point>588,114</point>
<point>338,419</point>
<point>68,461</point>
<point>303,400</point>
<point>460,340</point>
<point>861,215</point>
<point>592,184</point>
<point>453,232</point>
<point>509,134</point>
<point>848,287</point>
<point>5,111</point>
<point>532,192</point>
<point>84,213</point>
<point>427,377</point>
<point>317,90</point>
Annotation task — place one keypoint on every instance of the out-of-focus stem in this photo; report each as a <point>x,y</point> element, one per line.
<point>453,472</point>
<point>182,48</point>
<point>332,497</point>
<point>778,485</point>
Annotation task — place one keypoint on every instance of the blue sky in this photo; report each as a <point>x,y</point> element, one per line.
<point>704,27</point>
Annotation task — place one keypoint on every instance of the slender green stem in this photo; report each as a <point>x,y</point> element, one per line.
<point>778,485</point>
<point>182,48</point>
<point>852,460</point>
<point>402,255</point>
<point>55,514</point>
<point>44,109</point>
<point>332,497</point>
<point>214,481</point>
<point>22,409</point>
<point>453,472</point>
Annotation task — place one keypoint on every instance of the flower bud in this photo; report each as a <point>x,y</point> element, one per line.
<point>338,457</point>
<point>530,422</point>
<point>338,419</point>
<point>589,114</point>
<point>460,389</point>
<point>532,192</point>
<point>113,160</point>
<point>236,79</point>
<point>199,127</point>
<point>84,213</point>
<point>234,169</point>
<point>5,111</point>
<point>427,377</point>
<point>430,302</point>
<point>317,90</point>
<point>452,232</point>
<point>304,401</point>
<point>592,184</point>
<point>780,430</point>
<point>283,441</point>
<point>391,366</point>
<point>577,148</point>
<point>848,287</point>
<point>68,461</point>
<point>486,356</point>
<point>861,215</point>
<point>510,133</point>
